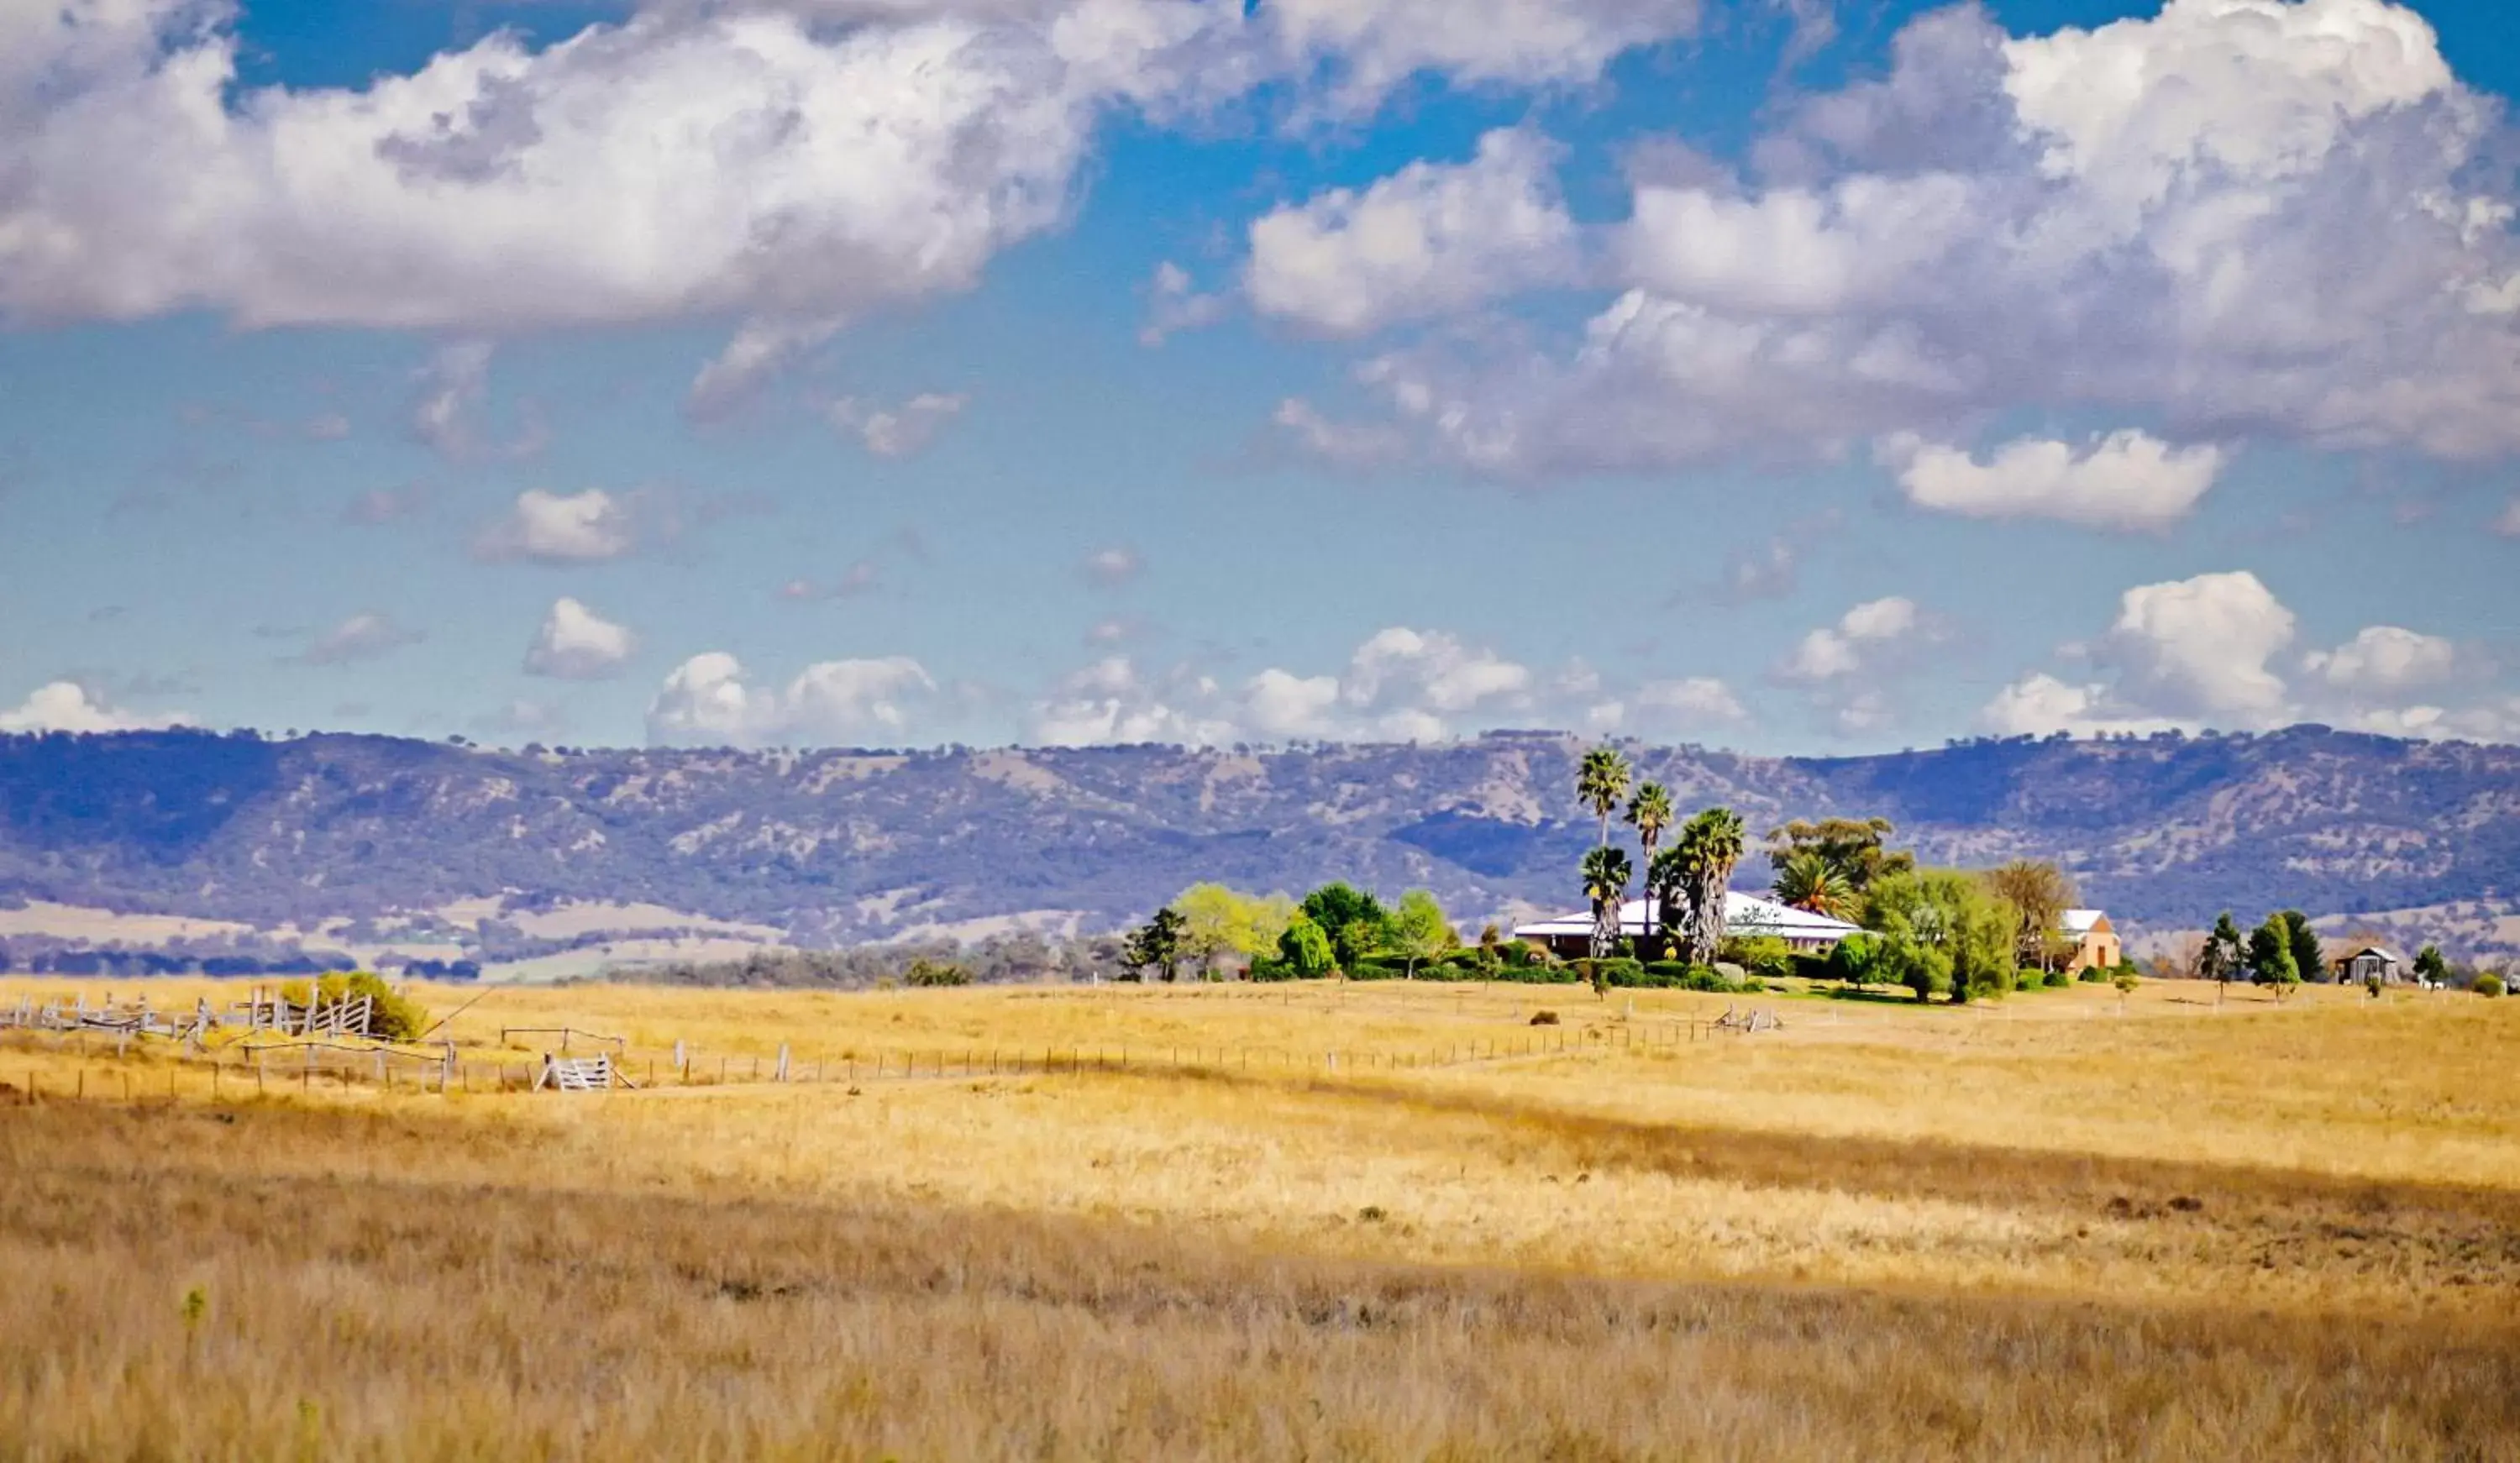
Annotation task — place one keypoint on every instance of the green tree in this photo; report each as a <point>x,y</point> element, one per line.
<point>1856,960</point>
<point>2040,893</point>
<point>2271,961</point>
<point>1606,873</point>
<point>2429,964</point>
<point>1355,921</point>
<point>1155,945</point>
<point>1601,781</point>
<point>1306,949</point>
<point>1808,882</point>
<point>2224,955</point>
<point>1418,929</point>
<point>1667,887</point>
<point>2309,953</point>
<point>1218,921</point>
<point>1650,813</point>
<point>1852,846</point>
<point>1710,846</point>
<point>1942,930</point>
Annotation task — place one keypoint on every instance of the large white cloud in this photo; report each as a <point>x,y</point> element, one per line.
<point>2237,218</point>
<point>1433,239</point>
<point>575,643</point>
<point>708,700</point>
<point>2128,480</point>
<point>791,163</point>
<point>68,706</point>
<point>2207,652</point>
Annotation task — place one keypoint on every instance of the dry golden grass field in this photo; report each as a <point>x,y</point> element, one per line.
<point>1276,1222</point>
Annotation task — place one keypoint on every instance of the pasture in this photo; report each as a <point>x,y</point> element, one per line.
<point>1235,1222</point>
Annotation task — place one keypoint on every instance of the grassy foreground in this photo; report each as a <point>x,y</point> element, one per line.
<point>2046,1229</point>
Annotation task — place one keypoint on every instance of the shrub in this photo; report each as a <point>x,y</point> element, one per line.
<point>1271,968</point>
<point>1760,955</point>
<point>2054,978</point>
<point>2488,985</point>
<point>924,973</point>
<point>1543,1018</point>
<point>2094,975</point>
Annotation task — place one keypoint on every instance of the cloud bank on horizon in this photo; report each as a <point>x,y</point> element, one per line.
<point>2160,373</point>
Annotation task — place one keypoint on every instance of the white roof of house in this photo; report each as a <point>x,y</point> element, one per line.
<point>2382,950</point>
<point>1743,914</point>
<point>2080,921</point>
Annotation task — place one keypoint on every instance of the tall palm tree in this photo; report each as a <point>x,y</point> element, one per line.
<point>1649,813</point>
<point>1605,884</point>
<point>1806,880</point>
<point>1600,782</point>
<point>1667,885</point>
<point>1710,846</point>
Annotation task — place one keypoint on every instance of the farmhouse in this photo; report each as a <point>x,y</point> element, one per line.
<point>2095,941</point>
<point>1744,914</point>
<point>2368,961</point>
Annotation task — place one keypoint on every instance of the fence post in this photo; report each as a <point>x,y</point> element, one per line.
<point>782,1062</point>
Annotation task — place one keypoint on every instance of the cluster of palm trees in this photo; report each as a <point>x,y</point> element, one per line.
<point>1684,883</point>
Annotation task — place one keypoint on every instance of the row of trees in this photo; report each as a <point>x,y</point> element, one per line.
<point>1335,927</point>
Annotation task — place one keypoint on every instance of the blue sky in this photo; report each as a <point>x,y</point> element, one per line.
<point>1771,374</point>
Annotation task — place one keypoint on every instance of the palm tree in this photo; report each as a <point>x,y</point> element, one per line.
<point>1605,884</point>
<point>1649,813</point>
<point>1710,846</point>
<point>1667,886</point>
<point>1601,781</point>
<point>1809,881</point>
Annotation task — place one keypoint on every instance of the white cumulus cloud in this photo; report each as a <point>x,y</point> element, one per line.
<point>708,700</point>
<point>575,643</point>
<point>560,528</point>
<point>2129,481</point>
<point>1834,651</point>
<point>2237,218</point>
<point>1433,239</point>
<point>68,706</point>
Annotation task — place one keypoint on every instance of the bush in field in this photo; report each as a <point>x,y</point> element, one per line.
<point>2488,985</point>
<point>392,1015</point>
<point>926,972</point>
<point>2052,978</point>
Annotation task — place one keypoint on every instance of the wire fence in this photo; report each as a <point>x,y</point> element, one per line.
<point>246,1068</point>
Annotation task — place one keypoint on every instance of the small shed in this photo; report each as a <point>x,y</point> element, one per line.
<point>2368,961</point>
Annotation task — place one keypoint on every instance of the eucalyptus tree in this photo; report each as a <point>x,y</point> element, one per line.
<point>1605,884</point>
<point>1601,781</point>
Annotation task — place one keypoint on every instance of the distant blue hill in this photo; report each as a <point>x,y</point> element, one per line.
<point>837,846</point>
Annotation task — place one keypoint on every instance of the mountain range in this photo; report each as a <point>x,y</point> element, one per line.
<point>831,847</point>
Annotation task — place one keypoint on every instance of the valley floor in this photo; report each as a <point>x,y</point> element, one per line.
<point>1261,1222</point>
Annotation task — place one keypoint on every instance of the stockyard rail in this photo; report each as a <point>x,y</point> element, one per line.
<point>108,1069</point>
